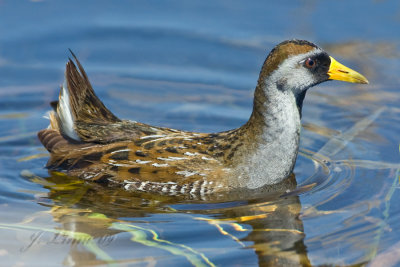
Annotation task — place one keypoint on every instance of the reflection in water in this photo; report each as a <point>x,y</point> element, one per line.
<point>90,219</point>
<point>277,233</point>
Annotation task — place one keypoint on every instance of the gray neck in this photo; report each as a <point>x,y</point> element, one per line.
<point>275,126</point>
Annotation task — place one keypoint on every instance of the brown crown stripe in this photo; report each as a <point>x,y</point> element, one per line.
<point>281,52</point>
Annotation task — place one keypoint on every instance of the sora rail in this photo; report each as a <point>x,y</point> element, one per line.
<point>86,140</point>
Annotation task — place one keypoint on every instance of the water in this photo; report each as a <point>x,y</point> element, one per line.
<point>193,66</point>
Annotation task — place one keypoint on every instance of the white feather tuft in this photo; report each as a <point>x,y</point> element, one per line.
<point>65,115</point>
<point>47,115</point>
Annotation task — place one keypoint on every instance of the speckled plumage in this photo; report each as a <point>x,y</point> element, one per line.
<point>86,140</point>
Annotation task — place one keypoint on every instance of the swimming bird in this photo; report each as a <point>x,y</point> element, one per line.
<point>88,141</point>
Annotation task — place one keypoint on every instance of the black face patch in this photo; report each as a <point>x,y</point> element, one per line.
<point>318,65</point>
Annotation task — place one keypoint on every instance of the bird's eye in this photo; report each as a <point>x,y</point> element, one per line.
<point>309,63</point>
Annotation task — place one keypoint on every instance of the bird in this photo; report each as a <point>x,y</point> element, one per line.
<point>86,140</point>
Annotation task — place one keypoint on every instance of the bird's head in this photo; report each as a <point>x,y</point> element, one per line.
<point>297,65</point>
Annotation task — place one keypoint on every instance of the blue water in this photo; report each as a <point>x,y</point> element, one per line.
<point>193,65</point>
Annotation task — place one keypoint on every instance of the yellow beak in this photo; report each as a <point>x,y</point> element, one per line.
<point>340,72</point>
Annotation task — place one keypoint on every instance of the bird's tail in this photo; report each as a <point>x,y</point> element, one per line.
<point>77,105</point>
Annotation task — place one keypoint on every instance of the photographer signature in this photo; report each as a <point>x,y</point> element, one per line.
<point>46,238</point>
